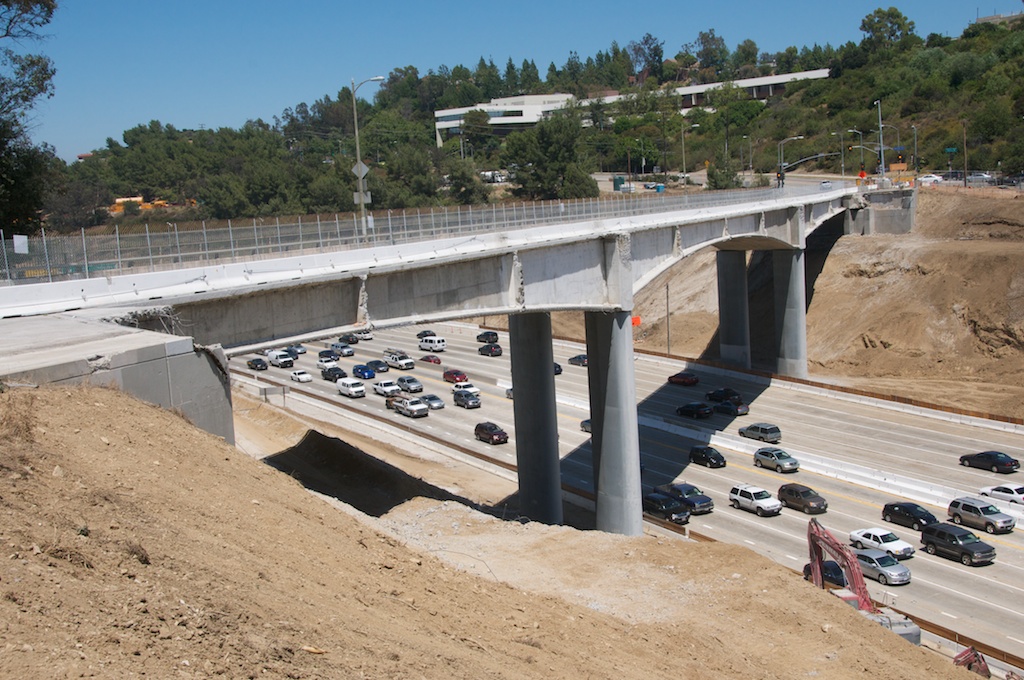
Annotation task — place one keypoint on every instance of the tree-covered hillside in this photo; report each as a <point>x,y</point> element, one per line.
<point>943,91</point>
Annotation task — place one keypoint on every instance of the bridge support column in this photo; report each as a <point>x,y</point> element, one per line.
<point>615,434</point>
<point>536,417</point>
<point>790,312</point>
<point>733,312</point>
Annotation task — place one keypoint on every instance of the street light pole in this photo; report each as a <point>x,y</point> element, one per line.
<point>782,158</point>
<point>861,144</point>
<point>881,144</point>
<point>682,135</point>
<point>916,165</point>
<point>842,152</point>
<point>360,169</point>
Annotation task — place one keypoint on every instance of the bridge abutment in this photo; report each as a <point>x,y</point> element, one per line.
<point>790,312</point>
<point>733,309</point>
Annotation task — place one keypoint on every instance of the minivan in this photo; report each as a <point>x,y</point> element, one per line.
<point>980,515</point>
<point>350,387</point>
<point>433,343</point>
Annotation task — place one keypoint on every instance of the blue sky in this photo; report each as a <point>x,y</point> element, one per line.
<point>219,63</point>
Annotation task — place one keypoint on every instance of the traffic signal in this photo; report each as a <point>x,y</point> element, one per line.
<point>862,166</point>
<point>899,158</point>
<point>849,148</point>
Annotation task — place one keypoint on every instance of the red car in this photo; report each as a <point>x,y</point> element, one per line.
<point>454,375</point>
<point>431,359</point>
<point>684,378</point>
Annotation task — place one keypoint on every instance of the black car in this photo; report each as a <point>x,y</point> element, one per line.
<point>707,456</point>
<point>724,394</point>
<point>908,515</point>
<point>425,334</point>
<point>487,336</point>
<point>578,360</point>
<point>730,408</point>
<point>378,366</point>
<point>558,368</point>
<point>328,354</point>
<point>490,350</point>
<point>348,339</point>
<point>831,572</point>
<point>333,373</point>
<point>996,461</point>
<point>695,409</point>
<point>695,500</point>
<point>666,507</point>
<point>956,542</point>
<point>257,364</point>
<point>490,433</point>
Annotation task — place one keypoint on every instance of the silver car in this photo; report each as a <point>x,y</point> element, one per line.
<point>882,567</point>
<point>776,459</point>
<point>980,515</point>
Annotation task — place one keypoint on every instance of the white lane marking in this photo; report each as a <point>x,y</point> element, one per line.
<point>790,557</point>
<point>949,615</point>
<point>749,541</point>
<point>1010,637</point>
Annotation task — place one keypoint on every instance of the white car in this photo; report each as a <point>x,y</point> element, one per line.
<point>468,386</point>
<point>363,335</point>
<point>301,376</point>
<point>325,363</point>
<point>1005,492</point>
<point>881,539</point>
<point>929,179</point>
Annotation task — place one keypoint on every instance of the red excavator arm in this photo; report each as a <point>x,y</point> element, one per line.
<point>819,542</point>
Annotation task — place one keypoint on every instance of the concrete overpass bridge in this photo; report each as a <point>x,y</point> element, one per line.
<point>522,260</point>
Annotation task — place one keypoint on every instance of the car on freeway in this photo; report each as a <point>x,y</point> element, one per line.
<point>695,500</point>
<point>454,375</point>
<point>765,432</point>
<point>432,401</point>
<point>297,348</point>
<point>707,456</point>
<point>578,360</point>
<point>363,371</point>
<point>695,409</point>
<point>431,358</point>
<point>490,433</point>
<point>378,365</point>
<point>724,394</point>
<point>342,349</point>
<point>776,459</point>
<point>465,399</point>
<point>489,337</point>
<point>980,515</point>
<point>929,179</point>
<point>825,185</point>
<point>754,499</point>
<point>426,333</point>
<point>558,368</point>
<point>290,351</point>
<point>882,567</point>
<point>831,572</point>
<point>490,350</point>
<point>908,515</point>
<point>325,363</point>
<point>996,461</point>
<point>333,373</point>
<point>585,425</point>
<point>349,339</point>
<point>1005,492</point>
<point>803,498</point>
<point>364,334</point>
<point>666,507</point>
<point>684,378</point>
<point>386,388</point>
<point>508,393</point>
<point>466,386</point>
<point>410,384</point>
<point>257,364</point>
<point>731,409</point>
<point>958,543</point>
<point>881,539</point>
<point>328,354</point>
<point>301,376</point>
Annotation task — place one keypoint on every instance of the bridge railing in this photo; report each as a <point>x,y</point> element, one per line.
<point>43,258</point>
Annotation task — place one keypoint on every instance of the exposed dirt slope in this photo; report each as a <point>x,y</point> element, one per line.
<point>137,545</point>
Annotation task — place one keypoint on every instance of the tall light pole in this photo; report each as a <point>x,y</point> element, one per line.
<point>881,144</point>
<point>682,135</point>
<point>360,169</point>
<point>782,157</point>
<point>861,144</point>
<point>842,152</point>
<point>916,165</point>
<point>750,141</point>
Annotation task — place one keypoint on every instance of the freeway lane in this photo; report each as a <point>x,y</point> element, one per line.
<point>986,603</point>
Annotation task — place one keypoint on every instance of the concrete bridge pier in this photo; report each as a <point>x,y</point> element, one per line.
<point>536,417</point>
<point>733,311</point>
<point>615,433</point>
<point>790,312</point>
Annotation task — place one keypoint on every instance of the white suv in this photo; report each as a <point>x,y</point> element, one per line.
<point>754,499</point>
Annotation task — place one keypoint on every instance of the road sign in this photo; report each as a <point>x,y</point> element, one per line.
<point>898,148</point>
<point>951,149</point>
<point>360,169</point>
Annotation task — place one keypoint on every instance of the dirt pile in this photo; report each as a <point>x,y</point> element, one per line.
<point>138,545</point>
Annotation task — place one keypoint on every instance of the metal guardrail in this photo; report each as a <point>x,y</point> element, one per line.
<point>43,259</point>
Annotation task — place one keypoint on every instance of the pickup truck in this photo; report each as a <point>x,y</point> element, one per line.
<point>411,407</point>
<point>396,358</point>
<point>386,388</point>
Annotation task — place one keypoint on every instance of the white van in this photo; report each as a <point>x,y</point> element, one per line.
<point>433,344</point>
<point>350,387</point>
<point>280,358</point>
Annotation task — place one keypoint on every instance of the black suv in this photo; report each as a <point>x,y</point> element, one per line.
<point>488,337</point>
<point>333,373</point>
<point>950,540</point>
<point>666,507</point>
<point>695,500</point>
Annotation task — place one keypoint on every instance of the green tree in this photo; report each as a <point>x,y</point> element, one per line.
<point>545,161</point>
<point>884,28</point>
<point>712,53</point>
<point>464,184</point>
